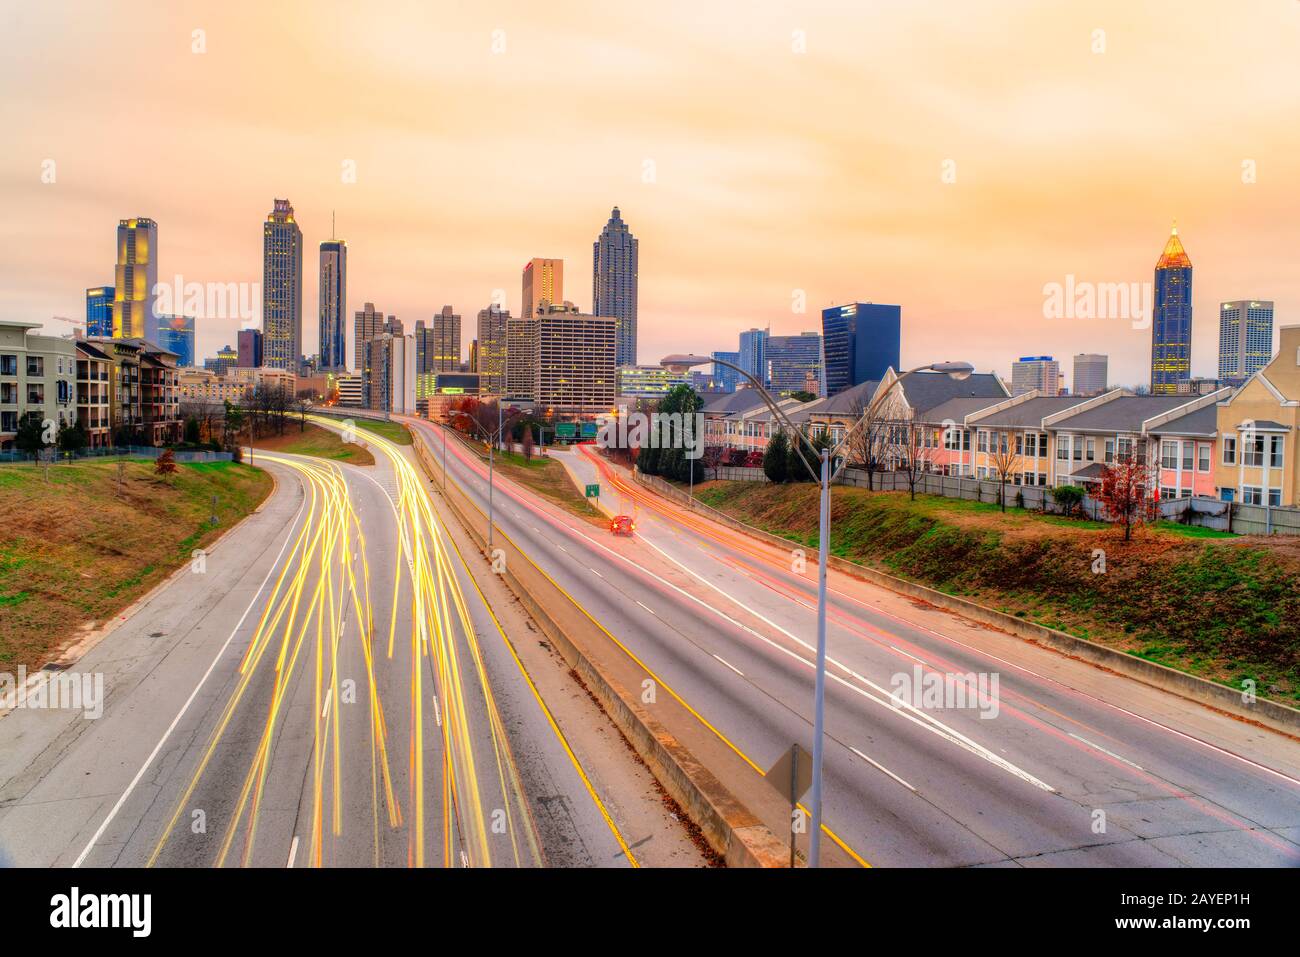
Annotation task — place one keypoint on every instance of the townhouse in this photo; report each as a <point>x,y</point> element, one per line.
<point>94,415</point>
<point>1259,458</point>
<point>37,378</point>
<point>144,391</point>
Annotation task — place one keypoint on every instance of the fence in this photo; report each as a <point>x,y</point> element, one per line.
<point>1206,512</point>
<point>119,451</point>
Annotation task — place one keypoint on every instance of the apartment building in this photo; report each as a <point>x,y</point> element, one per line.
<point>1259,427</point>
<point>144,391</point>
<point>37,378</point>
<point>94,406</point>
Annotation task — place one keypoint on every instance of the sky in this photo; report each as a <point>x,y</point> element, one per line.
<point>955,158</point>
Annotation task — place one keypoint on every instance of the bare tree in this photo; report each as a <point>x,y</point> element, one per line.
<point>1006,461</point>
<point>869,445</point>
<point>906,448</point>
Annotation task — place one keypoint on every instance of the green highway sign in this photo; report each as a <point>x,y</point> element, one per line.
<point>593,491</point>
<point>566,430</point>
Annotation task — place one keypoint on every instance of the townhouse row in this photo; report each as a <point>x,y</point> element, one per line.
<point>1237,445</point>
<point>122,391</point>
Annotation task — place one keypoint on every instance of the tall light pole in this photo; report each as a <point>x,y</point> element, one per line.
<point>957,370</point>
<point>492,439</point>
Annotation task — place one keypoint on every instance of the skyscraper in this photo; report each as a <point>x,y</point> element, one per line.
<point>250,349</point>
<point>1091,373</point>
<point>1245,339</point>
<point>333,304</point>
<point>446,341</point>
<point>492,322</point>
<point>753,346</point>
<point>792,363</point>
<point>99,311</point>
<point>176,334</point>
<point>282,289</point>
<point>725,378</point>
<point>862,340</point>
<point>136,276</point>
<point>1036,372</point>
<point>543,281</point>
<point>614,283</point>
<point>1171,319</point>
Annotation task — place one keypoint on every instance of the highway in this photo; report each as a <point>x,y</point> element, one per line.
<point>328,689</point>
<point>1059,764</point>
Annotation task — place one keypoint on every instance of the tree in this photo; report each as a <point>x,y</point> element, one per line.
<point>803,396</point>
<point>868,444</point>
<point>776,460</point>
<point>191,430</point>
<point>1006,461</point>
<point>1123,492</point>
<point>906,449</point>
<point>233,425</point>
<point>1068,498</point>
<point>72,438</point>
<point>713,458</point>
<point>30,437</point>
<point>166,464</point>
<point>527,444</point>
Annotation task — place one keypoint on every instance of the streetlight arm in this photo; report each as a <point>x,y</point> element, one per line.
<point>777,413</point>
<point>879,400</point>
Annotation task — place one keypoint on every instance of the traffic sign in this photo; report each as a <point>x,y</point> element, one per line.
<point>593,491</point>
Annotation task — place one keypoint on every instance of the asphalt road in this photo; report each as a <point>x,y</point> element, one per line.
<point>1058,764</point>
<point>328,689</point>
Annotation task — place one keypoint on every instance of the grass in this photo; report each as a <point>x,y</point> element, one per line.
<point>75,551</point>
<point>1187,597</point>
<point>545,476</point>
<point>316,441</point>
<point>394,432</point>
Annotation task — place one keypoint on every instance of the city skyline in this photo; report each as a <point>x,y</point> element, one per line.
<point>733,234</point>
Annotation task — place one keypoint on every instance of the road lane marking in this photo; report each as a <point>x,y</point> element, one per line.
<point>646,607</point>
<point>1104,751</point>
<point>437,712</point>
<point>190,700</point>
<point>731,666</point>
<point>329,693</point>
<point>880,767</point>
<point>293,851</point>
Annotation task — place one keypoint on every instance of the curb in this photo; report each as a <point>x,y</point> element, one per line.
<point>735,833</point>
<point>1269,714</point>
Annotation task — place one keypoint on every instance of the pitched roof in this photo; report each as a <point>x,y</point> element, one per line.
<point>1201,422</point>
<point>1123,414</point>
<point>850,401</point>
<point>742,400</point>
<point>927,390</point>
<point>1174,256</point>
<point>1030,413</point>
<point>956,410</point>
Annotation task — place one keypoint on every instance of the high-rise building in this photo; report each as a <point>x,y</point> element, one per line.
<point>368,323</point>
<point>136,276</point>
<point>176,335</point>
<point>574,368</point>
<point>613,282</point>
<point>1245,339</point>
<point>543,282</point>
<point>521,357</point>
<point>753,345</point>
<point>862,340</point>
<point>333,304</point>
<point>250,349</point>
<point>1036,372</point>
<point>388,384</point>
<point>793,363</point>
<point>491,366</point>
<point>1091,373</point>
<point>646,382</point>
<point>725,379</point>
<point>99,311</point>
<point>281,288</point>
<point>225,359</point>
<point>446,341</point>
<point>1171,319</point>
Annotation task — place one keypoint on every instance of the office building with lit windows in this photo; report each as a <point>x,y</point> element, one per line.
<point>136,275</point>
<point>99,311</point>
<point>333,305</point>
<point>1245,339</point>
<point>861,341</point>
<point>282,289</point>
<point>614,282</point>
<point>491,357</point>
<point>1171,319</point>
<point>176,335</point>
<point>543,282</point>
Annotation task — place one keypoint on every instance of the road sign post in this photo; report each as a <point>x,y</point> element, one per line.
<point>792,776</point>
<point>593,491</point>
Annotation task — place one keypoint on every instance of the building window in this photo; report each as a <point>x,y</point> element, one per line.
<point>1252,495</point>
<point>36,365</point>
<point>1275,451</point>
<point>1275,497</point>
<point>1110,451</point>
<point>35,393</point>
<point>1252,452</point>
<point>1169,455</point>
<point>1062,447</point>
<point>983,441</point>
<point>1229,451</point>
<point>1202,458</point>
<point>8,366</point>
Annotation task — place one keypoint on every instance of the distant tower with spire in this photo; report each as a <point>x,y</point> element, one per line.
<point>614,283</point>
<point>1171,318</point>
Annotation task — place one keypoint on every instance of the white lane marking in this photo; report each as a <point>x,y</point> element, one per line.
<point>646,607</point>
<point>880,767</point>
<point>190,700</point>
<point>731,666</point>
<point>596,573</point>
<point>464,859</point>
<point>562,548</point>
<point>1104,751</point>
<point>904,653</point>
<point>293,851</point>
<point>329,692</point>
<point>437,712</point>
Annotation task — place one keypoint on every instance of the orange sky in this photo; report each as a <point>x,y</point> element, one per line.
<point>774,170</point>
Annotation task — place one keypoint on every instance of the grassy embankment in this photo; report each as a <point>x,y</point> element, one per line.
<point>394,432</point>
<point>545,476</point>
<point>75,551</point>
<point>316,441</point>
<point>1226,610</point>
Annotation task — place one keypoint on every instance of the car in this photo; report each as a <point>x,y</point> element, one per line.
<point>622,525</point>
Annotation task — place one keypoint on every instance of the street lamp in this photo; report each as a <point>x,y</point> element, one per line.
<point>956,370</point>
<point>492,439</point>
